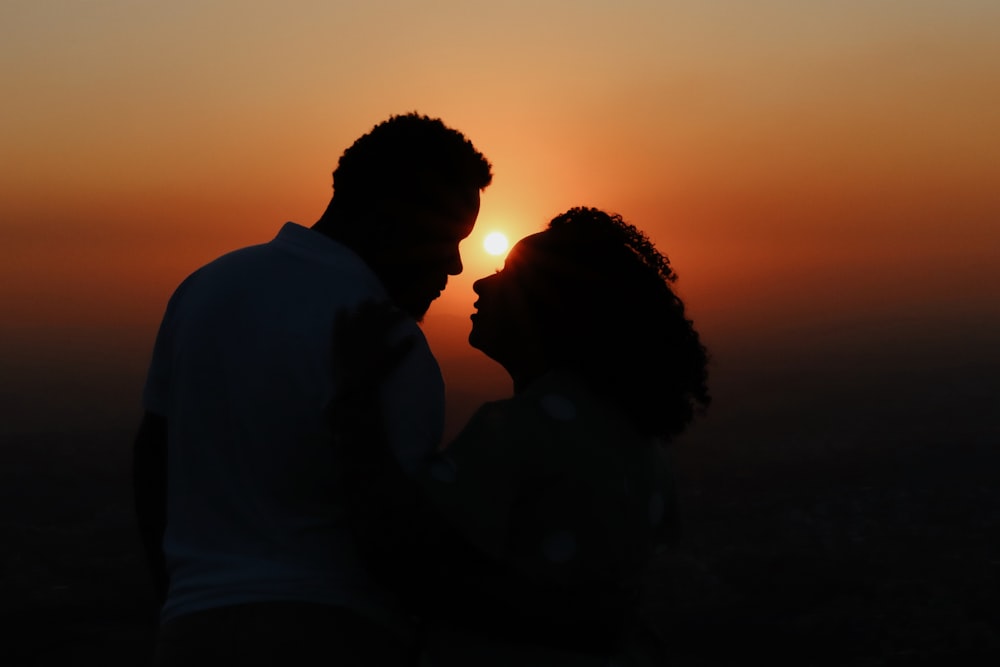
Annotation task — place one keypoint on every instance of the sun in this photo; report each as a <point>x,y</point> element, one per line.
<point>495,243</point>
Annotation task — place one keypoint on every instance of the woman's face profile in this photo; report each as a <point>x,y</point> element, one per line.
<point>503,326</point>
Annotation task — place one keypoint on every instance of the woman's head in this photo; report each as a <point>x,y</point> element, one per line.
<point>592,295</point>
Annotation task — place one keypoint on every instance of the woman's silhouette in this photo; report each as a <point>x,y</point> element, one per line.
<point>524,541</point>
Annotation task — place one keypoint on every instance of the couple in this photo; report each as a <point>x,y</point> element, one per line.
<point>292,493</point>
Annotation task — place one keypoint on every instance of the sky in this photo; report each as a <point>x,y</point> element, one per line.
<point>823,175</point>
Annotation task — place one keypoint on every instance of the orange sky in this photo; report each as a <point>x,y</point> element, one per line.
<point>804,165</point>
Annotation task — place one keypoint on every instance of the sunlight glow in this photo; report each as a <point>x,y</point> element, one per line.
<point>495,243</point>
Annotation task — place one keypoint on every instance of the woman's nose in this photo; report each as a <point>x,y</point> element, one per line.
<point>480,285</point>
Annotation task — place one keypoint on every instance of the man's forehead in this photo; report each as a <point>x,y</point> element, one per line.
<point>453,214</point>
<point>457,202</point>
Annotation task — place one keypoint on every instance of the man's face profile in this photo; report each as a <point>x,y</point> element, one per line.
<point>414,268</point>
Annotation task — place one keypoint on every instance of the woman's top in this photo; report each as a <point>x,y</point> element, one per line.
<point>527,536</point>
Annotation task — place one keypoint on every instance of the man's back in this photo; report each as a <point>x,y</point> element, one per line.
<point>242,372</point>
<point>235,485</point>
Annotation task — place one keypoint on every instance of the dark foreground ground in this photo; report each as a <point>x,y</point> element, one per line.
<point>846,558</point>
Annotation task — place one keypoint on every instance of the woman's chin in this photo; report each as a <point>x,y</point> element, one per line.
<point>480,343</point>
<point>475,339</point>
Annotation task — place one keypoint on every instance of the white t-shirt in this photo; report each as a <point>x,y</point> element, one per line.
<point>242,372</point>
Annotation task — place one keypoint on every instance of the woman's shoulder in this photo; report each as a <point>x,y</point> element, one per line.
<point>551,400</point>
<point>573,414</point>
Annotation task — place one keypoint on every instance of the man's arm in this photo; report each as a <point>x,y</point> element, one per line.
<point>149,487</point>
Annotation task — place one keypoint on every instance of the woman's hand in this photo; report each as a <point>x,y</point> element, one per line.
<point>363,352</point>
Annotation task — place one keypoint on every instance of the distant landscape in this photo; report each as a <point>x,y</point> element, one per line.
<point>845,560</point>
<point>840,506</point>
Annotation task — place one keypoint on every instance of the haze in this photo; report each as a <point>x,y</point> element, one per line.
<point>823,175</point>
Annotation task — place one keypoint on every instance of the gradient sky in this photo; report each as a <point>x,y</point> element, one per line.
<point>808,166</point>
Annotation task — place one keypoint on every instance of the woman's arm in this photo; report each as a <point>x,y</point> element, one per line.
<point>417,550</point>
<point>437,571</point>
<point>406,542</point>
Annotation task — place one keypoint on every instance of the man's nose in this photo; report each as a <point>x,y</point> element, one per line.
<point>454,266</point>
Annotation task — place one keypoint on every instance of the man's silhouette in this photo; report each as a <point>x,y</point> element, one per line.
<point>235,478</point>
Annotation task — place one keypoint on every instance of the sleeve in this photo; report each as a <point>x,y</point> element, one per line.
<point>413,402</point>
<point>442,540</point>
<point>408,542</point>
<point>473,482</point>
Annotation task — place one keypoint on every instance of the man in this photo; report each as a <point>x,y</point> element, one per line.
<point>235,479</point>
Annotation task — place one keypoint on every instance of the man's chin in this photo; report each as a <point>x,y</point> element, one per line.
<point>414,303</point>
<point>418,311</point>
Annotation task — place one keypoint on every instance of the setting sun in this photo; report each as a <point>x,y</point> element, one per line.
<point>495,243</point>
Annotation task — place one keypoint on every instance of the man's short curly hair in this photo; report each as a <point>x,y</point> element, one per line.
<point>404,159</point>
<point>607,310</point>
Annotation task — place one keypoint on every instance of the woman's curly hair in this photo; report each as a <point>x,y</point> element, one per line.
<point>608,311</point>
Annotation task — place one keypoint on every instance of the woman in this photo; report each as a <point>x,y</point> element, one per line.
<point>525,539</point>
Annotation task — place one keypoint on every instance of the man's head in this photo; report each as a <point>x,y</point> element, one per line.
<point>404,196</point>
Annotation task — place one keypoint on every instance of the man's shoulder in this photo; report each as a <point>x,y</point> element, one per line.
<point>289,234</point>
